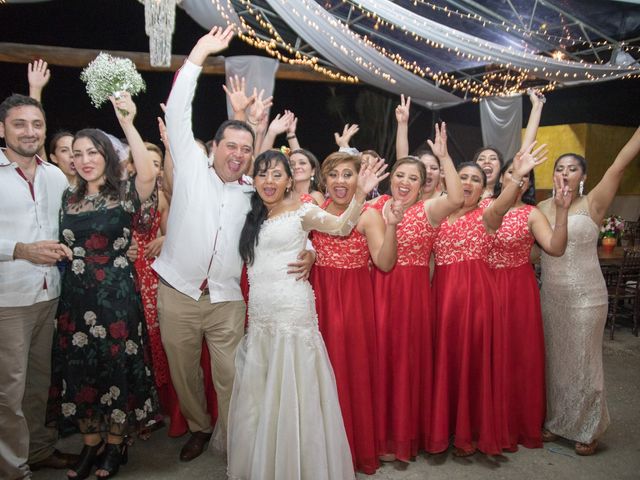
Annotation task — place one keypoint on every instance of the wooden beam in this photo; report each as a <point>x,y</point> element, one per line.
<point>80,58</point>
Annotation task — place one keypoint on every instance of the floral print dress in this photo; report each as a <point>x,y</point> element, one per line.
<point>101,375</point>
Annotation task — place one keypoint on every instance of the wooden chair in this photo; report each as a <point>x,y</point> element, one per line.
<point>624,291</point>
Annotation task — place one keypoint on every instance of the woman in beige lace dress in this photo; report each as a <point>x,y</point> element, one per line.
<point>574,306</point>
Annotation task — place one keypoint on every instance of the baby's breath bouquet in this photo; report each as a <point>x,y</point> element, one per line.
<point>106,76</point>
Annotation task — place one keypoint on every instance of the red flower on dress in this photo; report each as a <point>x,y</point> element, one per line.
<point>118,329</point>
<point>97,242</point>
<point>86,395</point>
<point>115,348</point>
<point>100,275</point>
<point>64,323</point>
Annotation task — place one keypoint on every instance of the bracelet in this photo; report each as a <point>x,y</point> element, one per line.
<point>252,123</point>
<point>291,136</point>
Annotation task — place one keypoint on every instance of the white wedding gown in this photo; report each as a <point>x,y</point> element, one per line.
<point>284,418</point>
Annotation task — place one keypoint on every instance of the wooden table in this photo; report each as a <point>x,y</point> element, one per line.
<point>610,258</point>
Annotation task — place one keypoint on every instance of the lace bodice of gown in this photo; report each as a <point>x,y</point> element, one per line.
<point>467,239</point>
<point>513,241</point>
<point>415,234</point>
<point>579,267</point>
<point>351,251</point>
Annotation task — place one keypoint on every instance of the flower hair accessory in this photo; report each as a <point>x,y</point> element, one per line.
<point>285,150</point>
<point>106,76</point>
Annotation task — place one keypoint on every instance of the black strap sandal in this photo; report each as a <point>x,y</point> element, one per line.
<point>114,456</point>
<point>86,461</point>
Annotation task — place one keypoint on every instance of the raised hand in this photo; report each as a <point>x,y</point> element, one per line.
<point>259,108</point>
<point>237,94</point>
<point>524,162</point>
<point>291,130</point>
<point>38,74</point>
<point>402,110</point>
<point>281,123</point>
<point>162,128</point>
<point>347,133</point>
<point>370,176</point>
<point>439,145</point>
<point>395,212</point>
<point>536,97</point>
<point>124,107</point>
<point>213,42</point>
<point>562,198</point>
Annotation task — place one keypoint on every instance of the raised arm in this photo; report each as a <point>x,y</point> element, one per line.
<point>402,132</point>
<point>552,240</point>
<point>441,207</point>
<point>537,101</point>
<point>292,138</point>
<point>38,75</point>
<point>125,111</point>
<point>523,163</point>
<point>342,141</point>
<point>278,126</point>
<point>604,192</point>
<point>179,109</point>
<point>237,97</point>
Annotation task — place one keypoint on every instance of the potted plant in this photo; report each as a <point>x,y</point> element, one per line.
<point>611,227</point>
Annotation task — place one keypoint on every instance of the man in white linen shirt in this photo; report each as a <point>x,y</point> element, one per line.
<point>29,289</point>
<point>200,266</point>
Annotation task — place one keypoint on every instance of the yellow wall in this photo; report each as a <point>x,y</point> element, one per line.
<point>599,144</point>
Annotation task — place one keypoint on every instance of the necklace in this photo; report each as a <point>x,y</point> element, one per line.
<point>91,196</point>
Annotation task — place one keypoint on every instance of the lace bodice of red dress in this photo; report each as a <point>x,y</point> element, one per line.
<point>351,251</point>
<point>415,234</point>
<point>465,240</point>
<point>513,240</point>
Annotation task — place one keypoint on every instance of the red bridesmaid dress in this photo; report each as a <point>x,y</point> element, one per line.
<point>404,332</point>
<point>520,369</point>
<point>344,302</point>
<point>466,308</point>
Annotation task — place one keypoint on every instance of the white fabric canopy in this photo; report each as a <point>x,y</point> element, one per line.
<point>501,123</point>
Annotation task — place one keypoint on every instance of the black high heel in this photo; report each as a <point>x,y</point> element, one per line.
<point>115,454</point>
<point>86,461</point>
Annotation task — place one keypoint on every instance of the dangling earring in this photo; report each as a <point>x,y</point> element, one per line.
<point>312,178</point>
<point>581,187</point>
<point>553,192</point>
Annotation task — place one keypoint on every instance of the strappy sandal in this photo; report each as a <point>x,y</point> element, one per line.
<point>548,436</point>
<point>86,461</point>
<point>114,456</point>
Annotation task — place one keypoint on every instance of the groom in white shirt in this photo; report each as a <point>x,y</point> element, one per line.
<point>200,265</point>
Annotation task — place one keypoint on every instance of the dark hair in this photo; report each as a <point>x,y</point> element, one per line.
<point>315,164</point>
<point>371,153</point>
<point>424,149</point>
<point>53,144</point>
<point>581,160</point>
<point>258,213</point>
<point>529,196</point>
<point>234,125</point>
<point>17,100</point>
<point>493,149</point>
<point>112,168</point>
<point>422,170</point>
<point>477,167</point>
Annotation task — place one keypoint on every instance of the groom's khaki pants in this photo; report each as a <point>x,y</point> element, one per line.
<point>183,323</point>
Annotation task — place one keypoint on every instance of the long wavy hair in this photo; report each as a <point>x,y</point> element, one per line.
<point>258,213</point>
<point>528,197</point>
<point>112,168</point>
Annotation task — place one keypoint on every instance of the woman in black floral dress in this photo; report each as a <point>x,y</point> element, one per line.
<point>101,380</point>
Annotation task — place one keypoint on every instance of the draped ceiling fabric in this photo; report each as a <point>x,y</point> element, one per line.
<point>501,123</point>
<point>337,41</point>
<point>355,57</point>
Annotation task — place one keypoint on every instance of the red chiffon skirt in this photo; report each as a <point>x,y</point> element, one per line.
<point>405,359</point>
<point>344,302</point>
<point>466,336</point>
<point>520,370</point>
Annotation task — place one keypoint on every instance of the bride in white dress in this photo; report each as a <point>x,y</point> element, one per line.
<point>284,418</point>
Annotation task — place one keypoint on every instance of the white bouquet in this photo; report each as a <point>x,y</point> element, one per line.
<point>106,76</point>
